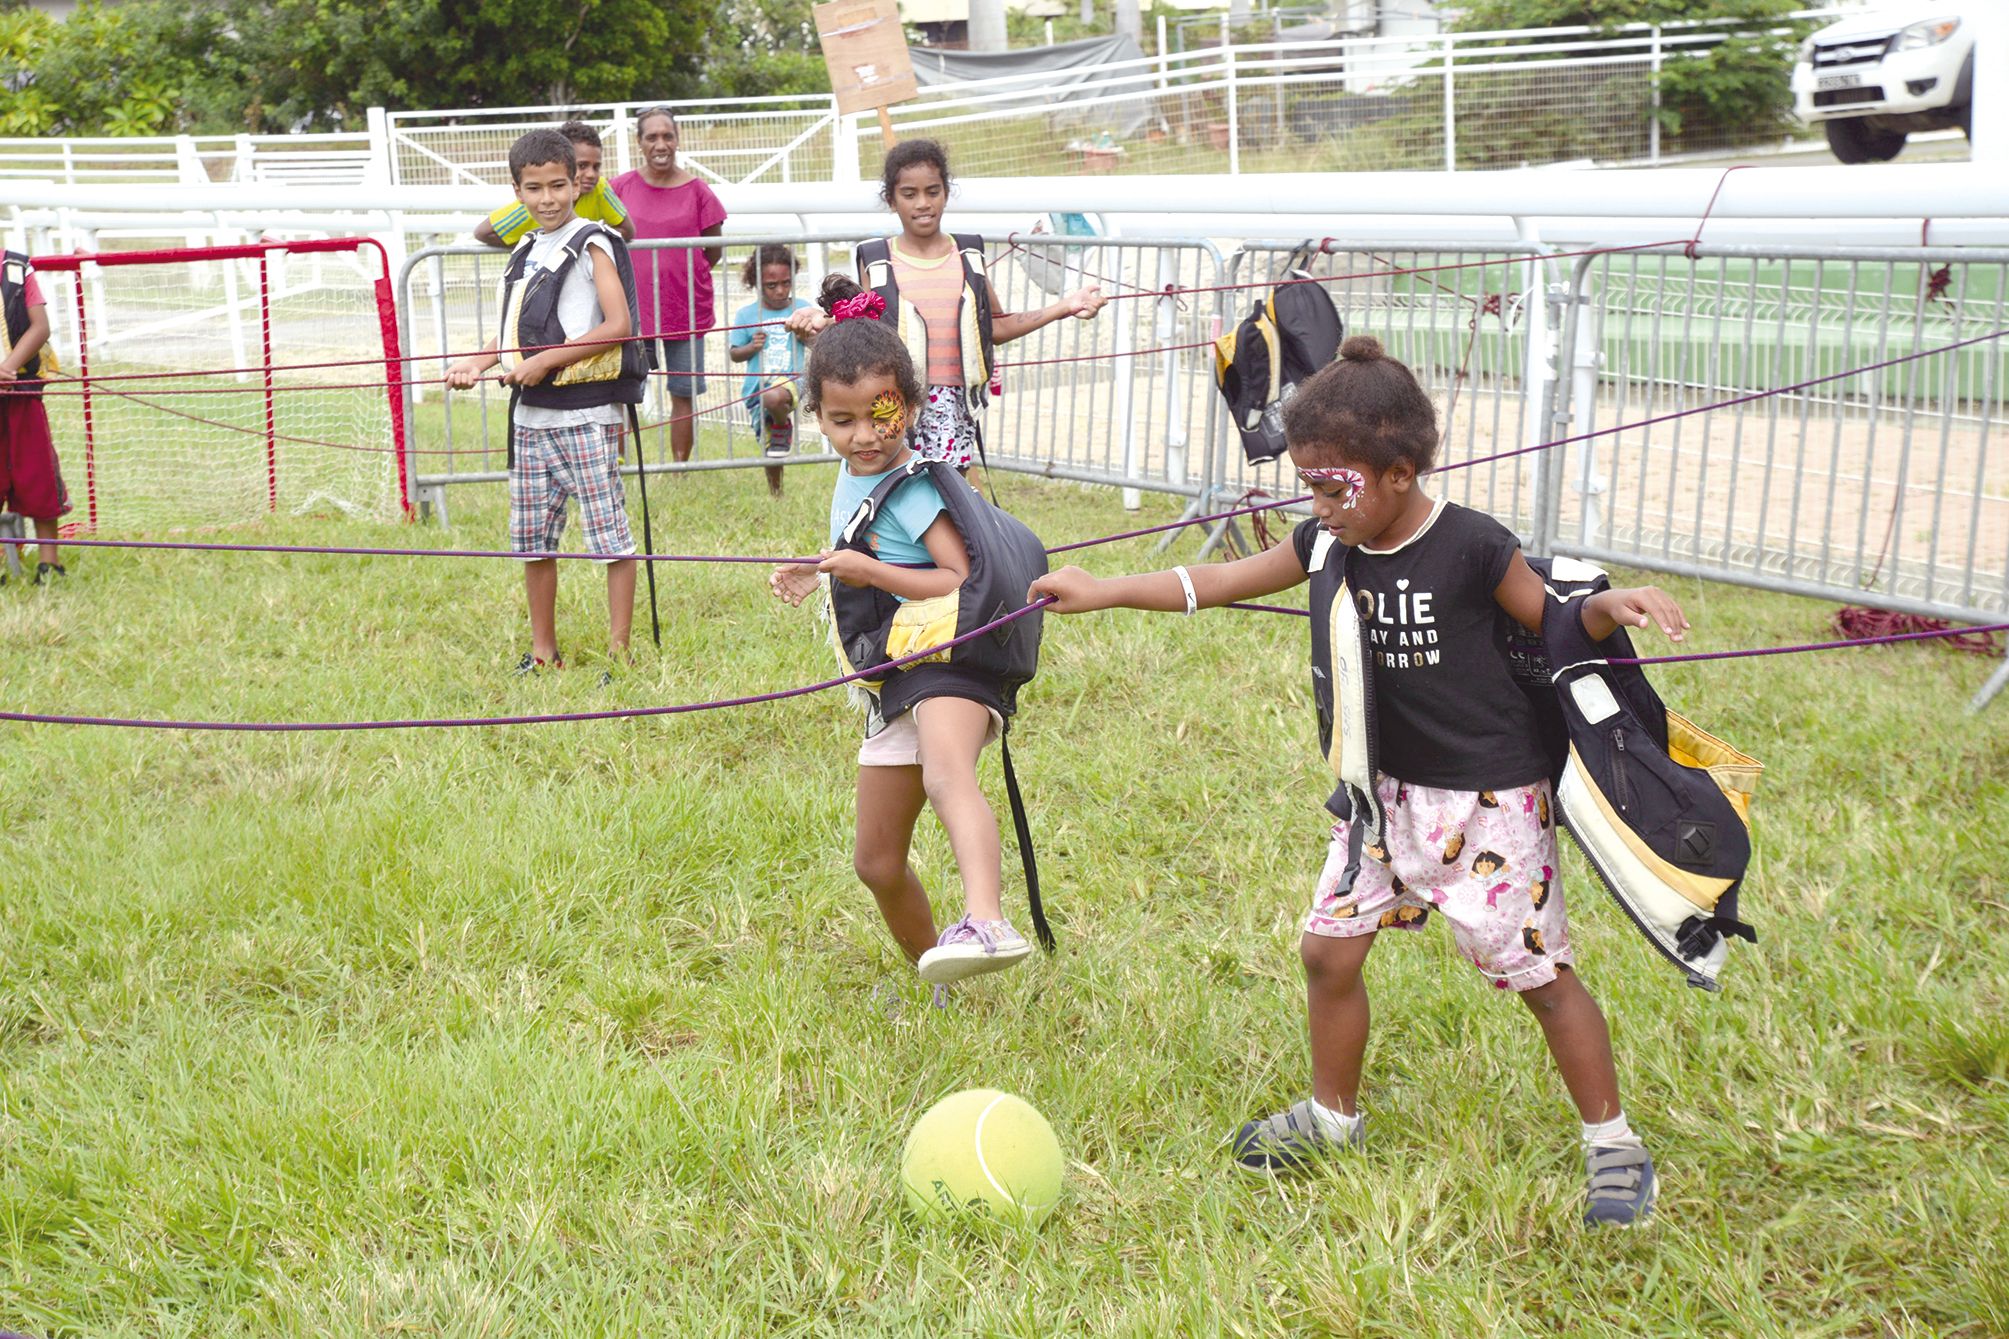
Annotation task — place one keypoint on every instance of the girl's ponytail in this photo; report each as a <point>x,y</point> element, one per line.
<point>851,350</point>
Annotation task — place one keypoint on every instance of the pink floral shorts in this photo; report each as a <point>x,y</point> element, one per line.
<point>1485,860</point>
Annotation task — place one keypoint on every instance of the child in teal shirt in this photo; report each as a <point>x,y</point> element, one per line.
<point>774,355</point>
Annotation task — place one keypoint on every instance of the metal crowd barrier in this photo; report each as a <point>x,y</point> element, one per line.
<point>1875,488</point>
<point>1086,401</point>
<point>1469,321</point>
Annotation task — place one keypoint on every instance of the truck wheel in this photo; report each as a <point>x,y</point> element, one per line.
<point>1854,141</point>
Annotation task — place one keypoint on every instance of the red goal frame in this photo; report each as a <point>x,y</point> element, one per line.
<point>387,321</point>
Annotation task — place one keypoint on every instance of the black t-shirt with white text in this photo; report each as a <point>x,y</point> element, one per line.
<point>1447,710</point>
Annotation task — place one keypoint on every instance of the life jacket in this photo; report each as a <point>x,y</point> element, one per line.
<point>973,311</point>
<point>1342,687</point>
<point>1659,806</point>
<point>530,321</point>
<point>1259,364</point>
<point>869,627</point>
<point>14,269</point>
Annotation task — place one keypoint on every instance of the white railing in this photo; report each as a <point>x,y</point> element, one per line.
<point>194,160</point>
<point>1430,102</point>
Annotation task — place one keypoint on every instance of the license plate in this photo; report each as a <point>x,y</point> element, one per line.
<point>1838,81</point>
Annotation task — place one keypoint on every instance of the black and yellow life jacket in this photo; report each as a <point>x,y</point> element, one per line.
<point>1342,687</point>
<point>1259,364</point>
<point>1660,807</point>
<point>869,627</point>
<point>530,321</point>
<point>973,311</point>
<point>14,303</point>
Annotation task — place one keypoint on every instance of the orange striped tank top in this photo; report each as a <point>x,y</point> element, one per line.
<point>934,288</point>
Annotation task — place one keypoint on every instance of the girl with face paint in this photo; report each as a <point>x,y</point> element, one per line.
<point>1463,775</point>
<point>865,391</point>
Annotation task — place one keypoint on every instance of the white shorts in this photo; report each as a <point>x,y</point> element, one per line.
<point>899,744</point>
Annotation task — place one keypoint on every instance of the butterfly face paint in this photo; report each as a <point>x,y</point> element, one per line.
<point>889,416</point>
<point>1352,483</point>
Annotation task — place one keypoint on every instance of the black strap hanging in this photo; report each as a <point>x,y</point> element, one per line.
<point>1041,930</point>
<point>648,534</point>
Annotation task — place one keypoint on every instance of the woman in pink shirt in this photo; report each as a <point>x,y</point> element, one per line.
<point>664,200</point>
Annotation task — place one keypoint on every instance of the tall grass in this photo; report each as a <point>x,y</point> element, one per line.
<point>588,1029</point>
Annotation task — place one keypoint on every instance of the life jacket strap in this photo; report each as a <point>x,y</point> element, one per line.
<point>1040,929</point>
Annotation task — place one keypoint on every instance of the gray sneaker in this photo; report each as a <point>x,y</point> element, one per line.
<point>1621,1184</point>
<point>970,948</point>
<point>1290,1142</point>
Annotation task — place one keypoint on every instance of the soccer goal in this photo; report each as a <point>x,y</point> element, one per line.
<point>210,386</point>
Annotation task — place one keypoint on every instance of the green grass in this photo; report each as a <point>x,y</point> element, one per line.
<point>571,1029</point>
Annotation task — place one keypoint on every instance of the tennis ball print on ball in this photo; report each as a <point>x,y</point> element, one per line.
<point>981,1153</point>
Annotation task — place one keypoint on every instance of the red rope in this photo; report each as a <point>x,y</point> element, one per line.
<point>1855,623</point>
<point>1696,241</point>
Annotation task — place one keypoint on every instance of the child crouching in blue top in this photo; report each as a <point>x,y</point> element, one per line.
<point>862,386</point>
<point>774,353</point>
<point>1467,823</point>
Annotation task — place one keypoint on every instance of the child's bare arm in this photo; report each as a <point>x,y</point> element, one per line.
<point>1633,607</point>
<point>31,342</point>
<point>945,548</point>
<point>468,370</point>
<point>741,353</point>
<point>1008,326</point>
<point>1214,584</point>
<point>613,327</point>
<point>793,582</point>
<point>1522,595</point>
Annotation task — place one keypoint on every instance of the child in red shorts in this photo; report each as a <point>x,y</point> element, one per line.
<point>31,483</point>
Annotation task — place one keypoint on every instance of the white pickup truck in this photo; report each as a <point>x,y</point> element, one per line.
<point>1877,76</point>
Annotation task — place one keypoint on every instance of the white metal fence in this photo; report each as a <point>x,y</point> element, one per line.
<point>1886,487</point>
<point>1355,102</point>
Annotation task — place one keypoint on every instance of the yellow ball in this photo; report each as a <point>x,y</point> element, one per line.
<point>984,1154</point>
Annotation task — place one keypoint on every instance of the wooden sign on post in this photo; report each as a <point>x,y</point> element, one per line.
<point>865,48</point>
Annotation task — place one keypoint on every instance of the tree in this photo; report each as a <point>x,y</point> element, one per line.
<point>218,66</point>
<point>1737,90</point>
<point>118,71</point>
<point>316,62</point>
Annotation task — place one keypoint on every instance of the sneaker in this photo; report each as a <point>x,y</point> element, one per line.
<point>780,437</point>
<point>1290,1142</point>
<point>970,948</point>
<point>1621,1184</point>
<point>530,664</point>
<point>44,571</point>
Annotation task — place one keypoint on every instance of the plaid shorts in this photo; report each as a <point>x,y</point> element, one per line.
<point>553,464</point>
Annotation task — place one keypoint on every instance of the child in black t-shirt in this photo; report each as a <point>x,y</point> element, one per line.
<point>1469,824</point>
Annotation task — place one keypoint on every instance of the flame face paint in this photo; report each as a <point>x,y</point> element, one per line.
<point>1352,483</point>
<point>889,416</point>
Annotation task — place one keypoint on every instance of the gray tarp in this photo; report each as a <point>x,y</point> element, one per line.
<point>1069,73</point>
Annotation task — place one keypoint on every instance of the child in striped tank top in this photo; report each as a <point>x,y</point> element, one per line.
<point>941,303</point>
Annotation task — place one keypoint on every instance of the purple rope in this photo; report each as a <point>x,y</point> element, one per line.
<point>1808,646</point>
<point>1267,608</point>
<point>620,714</point>
<point>398,553</point>
<point>1730,403</point>
<point>1176,525</point>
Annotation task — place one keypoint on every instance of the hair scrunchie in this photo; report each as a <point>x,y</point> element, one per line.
<point>868,305</point>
